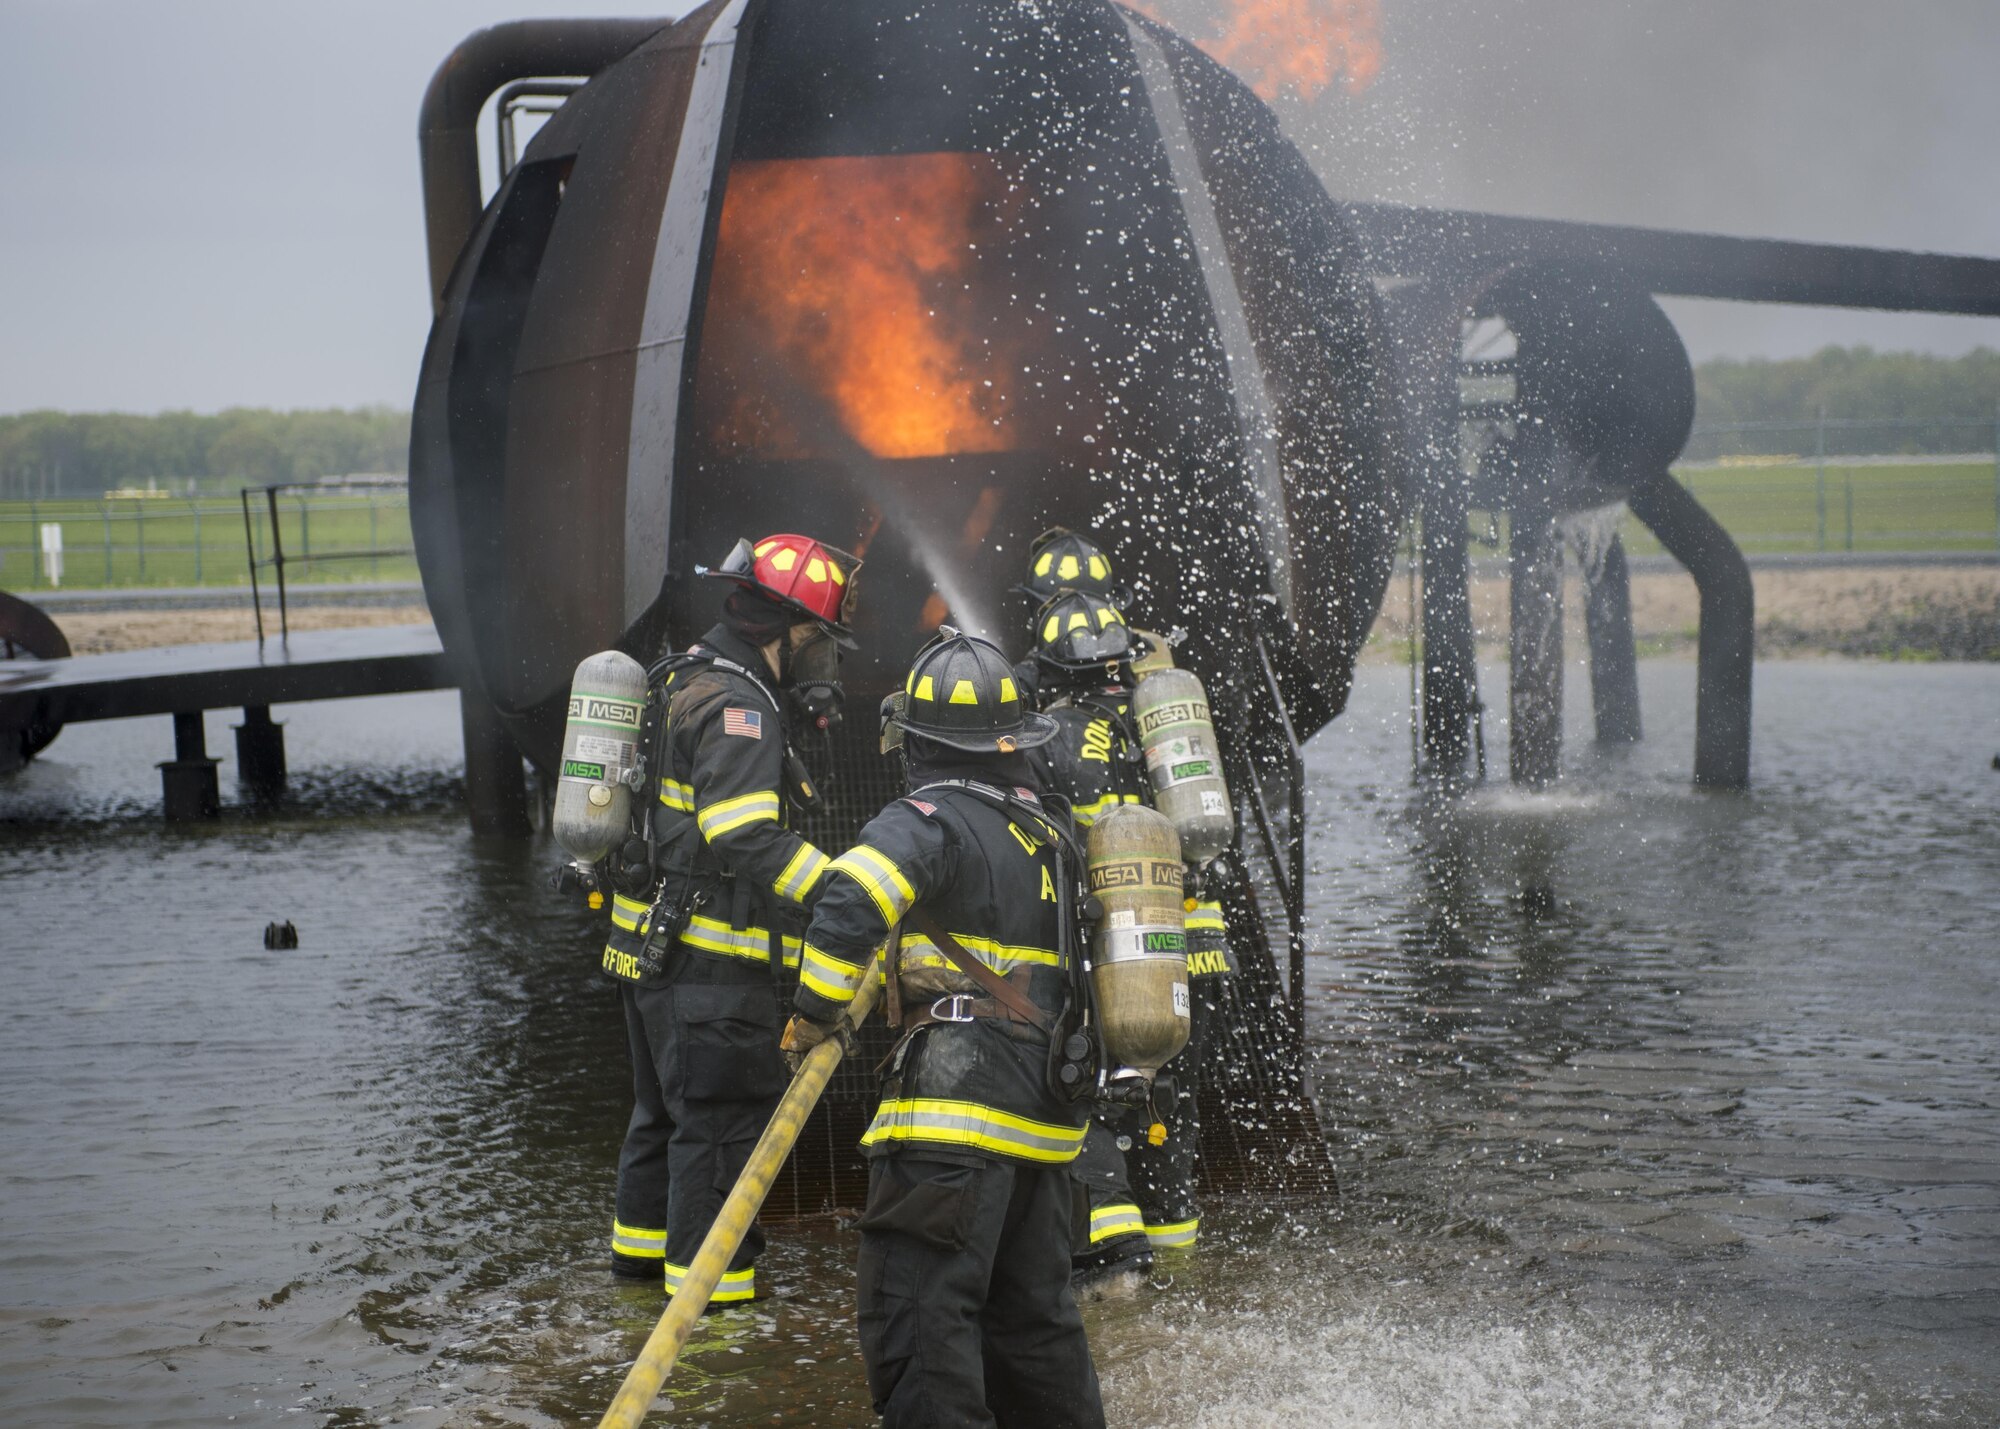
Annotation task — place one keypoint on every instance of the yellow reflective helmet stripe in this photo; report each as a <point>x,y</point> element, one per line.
<point>926,689</point>
<point>731,814</point>
<point>962,693</point>
<point>801,873</point>
<point>1107,1222</point>
<point>785,559</point>
<point>932,1120</point>
<point>1008,694</point>
<point>881,878</point>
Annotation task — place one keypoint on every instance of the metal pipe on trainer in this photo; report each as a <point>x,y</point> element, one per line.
<point>1728,625</point>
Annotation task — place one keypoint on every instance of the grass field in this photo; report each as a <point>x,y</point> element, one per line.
<point>1877,506</point>
<point>160,541</point>
<point>170,541</point>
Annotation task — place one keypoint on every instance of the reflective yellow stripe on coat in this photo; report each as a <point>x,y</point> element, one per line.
<point>720,818</point>
<point>802,874</point>
<point>881,878</point>
<point>676,795</point>
<point>1001,957</point>
<point>934,1121</point>
<point>712,935</point>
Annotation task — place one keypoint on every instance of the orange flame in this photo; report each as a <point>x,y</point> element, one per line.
<point>1300,45</point>
<point>856,276</point>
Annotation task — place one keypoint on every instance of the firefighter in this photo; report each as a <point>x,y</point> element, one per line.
<point>966,1313</point>
<point>1139,1197</point>
<point>1083,652</point>
<point>1059,560</point>
<point>697,956</point>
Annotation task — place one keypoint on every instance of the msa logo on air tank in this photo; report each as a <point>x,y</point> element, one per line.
<point>597,710</point>
<point>1136,873</point>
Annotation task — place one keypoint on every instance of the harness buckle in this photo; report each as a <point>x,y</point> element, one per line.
<point>954,1005</point>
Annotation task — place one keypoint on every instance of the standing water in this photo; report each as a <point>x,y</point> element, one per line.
<point>1653,1108</point>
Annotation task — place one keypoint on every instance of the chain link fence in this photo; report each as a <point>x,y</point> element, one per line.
<point>144,540</point>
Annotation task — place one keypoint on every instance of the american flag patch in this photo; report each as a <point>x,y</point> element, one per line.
<point>748,723</point>
<point>921,806</point>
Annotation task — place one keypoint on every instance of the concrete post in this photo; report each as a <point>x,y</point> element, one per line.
<point>1728,626</point>
<point>1614,663</point>
<point>187,781</point>
<point>260,754</point>
<point>1534,645</point>
<point>496,790</point>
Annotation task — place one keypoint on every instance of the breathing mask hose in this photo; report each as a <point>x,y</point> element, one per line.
<point>732,1223</point>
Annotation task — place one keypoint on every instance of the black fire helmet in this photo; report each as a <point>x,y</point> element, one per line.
<point>1075,632</point>
<point>1060,559</point>
<point>961,694</point>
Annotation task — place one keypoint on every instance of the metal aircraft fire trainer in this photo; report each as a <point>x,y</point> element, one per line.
<point>924,277</point>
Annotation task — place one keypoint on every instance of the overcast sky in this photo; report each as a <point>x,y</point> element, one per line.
<point>206,203</point>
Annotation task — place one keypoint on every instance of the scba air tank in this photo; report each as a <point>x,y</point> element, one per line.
<point>607,704</point>
<point>1139,969</point>
<point>1170,710</point>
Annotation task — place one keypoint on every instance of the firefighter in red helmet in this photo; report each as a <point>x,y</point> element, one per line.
<point>731,885</point>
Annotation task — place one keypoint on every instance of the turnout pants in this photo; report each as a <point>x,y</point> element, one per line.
<point>1107,1228</point>
<point>1163,1176</point>
<point>706,1075</point>
<point>966,1315</point>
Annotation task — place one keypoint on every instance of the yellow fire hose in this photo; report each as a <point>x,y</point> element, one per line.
<point>732,1222</point>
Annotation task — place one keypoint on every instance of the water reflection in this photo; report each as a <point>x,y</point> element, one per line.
<point>1651,1107</point>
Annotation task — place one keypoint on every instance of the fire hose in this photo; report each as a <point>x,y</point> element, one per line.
<point>663,1347</point>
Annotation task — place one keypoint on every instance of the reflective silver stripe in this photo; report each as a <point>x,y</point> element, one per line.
<point>1107,1222</point>
<point>676,795</point>
<point>984,1128</point>
<point>801,873</point>
<point>1178,1233</point>
<point>1001,957</point>
<point>734,1285</point>
<point>634,1242</point>
<point>712,935</point>
<point>881,878</point>
<point>828,976</point>
<point>720,818</point>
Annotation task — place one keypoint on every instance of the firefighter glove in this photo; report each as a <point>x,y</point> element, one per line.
<point>802,1034</point>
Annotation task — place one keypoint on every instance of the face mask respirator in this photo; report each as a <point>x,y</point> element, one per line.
<point>811,678</point>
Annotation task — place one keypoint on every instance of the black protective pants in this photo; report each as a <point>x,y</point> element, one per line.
<point>1107,1227</point>
<point>966,1315</point>
<point>1163,1176</point>
<point>706,1075</point>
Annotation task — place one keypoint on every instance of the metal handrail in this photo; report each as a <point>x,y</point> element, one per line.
<point>277,560</point>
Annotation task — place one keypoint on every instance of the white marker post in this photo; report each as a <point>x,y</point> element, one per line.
<point>52,552</point>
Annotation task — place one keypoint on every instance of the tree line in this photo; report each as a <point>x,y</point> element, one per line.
<point>87,453</point>
<point>1912,402</point>
<point>46,454</point>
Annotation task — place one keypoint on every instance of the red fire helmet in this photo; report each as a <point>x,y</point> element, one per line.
<point>809,576</point>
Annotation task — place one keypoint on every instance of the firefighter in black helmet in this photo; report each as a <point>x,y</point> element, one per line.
<point>1139,1195</point>
<point>1061,559</point>
<point>726,895</point>
<point>966,1313</point>
<point>1083,653</point>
